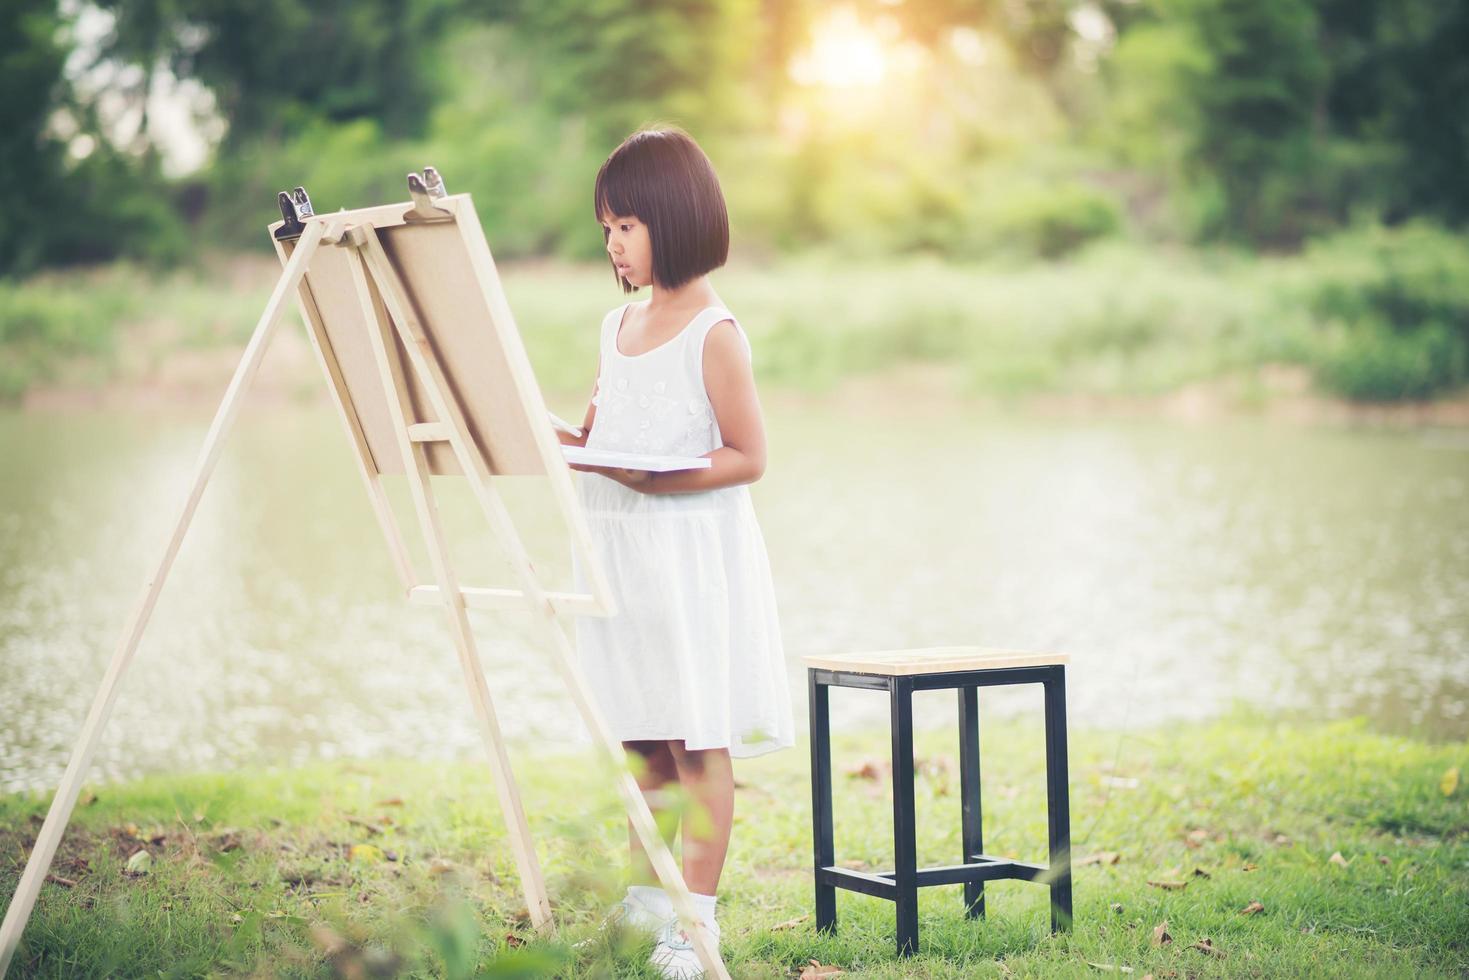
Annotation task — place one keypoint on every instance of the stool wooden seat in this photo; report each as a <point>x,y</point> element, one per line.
<point>933,660</point>
<point>900,673</point>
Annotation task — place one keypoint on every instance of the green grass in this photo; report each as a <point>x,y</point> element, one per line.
<point>252,874</point>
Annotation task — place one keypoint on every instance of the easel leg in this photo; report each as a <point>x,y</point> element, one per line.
<point>62,803</point>
<point>390,370</point>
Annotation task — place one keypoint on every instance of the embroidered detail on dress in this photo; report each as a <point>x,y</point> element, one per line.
<point>643,408</point>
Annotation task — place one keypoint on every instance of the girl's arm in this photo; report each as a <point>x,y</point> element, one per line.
<point>730,381</point>
<point>567,439</point>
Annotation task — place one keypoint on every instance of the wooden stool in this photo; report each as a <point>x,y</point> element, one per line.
<point>900,673</point>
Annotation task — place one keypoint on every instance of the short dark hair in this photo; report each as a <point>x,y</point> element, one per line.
<point>661,176</point>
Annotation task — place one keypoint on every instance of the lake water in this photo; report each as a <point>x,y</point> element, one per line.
<point>1186,567</point>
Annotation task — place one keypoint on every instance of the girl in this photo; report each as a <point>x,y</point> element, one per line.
<point>691,670</point>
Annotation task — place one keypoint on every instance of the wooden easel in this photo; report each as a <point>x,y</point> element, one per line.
<point>407,318</point>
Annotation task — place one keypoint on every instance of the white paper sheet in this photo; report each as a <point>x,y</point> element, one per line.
<point>634,461</point>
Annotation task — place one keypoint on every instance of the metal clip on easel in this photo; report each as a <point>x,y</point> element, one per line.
<point>295,206</point>
<point>425,191</point>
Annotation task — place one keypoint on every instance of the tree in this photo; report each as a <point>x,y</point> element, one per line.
<point>1256,93</point>
<point>31,61</point>
<point>272,63</point>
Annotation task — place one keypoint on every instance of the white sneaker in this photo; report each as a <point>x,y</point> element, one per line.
<point>674,955</point>
<point>632,914</point>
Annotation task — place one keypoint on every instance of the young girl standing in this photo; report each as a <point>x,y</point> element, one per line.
<point>690,671</point>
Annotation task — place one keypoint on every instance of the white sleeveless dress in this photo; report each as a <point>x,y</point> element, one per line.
<point>694,652</point>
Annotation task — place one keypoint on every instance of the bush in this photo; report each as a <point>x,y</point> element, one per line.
<point>41,324</point>
<point>1032,220</point>
<point>1401,278</point>
<point>1369,362</point>
<point>1395,308</point>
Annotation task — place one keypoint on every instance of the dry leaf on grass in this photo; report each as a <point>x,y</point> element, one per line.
<point>1252,908</point>
<point>1450,781</point>
<point>367,825</point>
<point>1169,884</point>
<point>815,971</point>
<point>1101,857</point>
<point>1247,866</point>
<point>513,941</point>
<point>789,923</point>
<point>391,801</point>
<point>1117,907</point>
<point>869,769</point>
<point>1109,967</point>
<point>1160,934</point>
<point>1201,873</point>
<point>1337,859</point>
<point>63,882</point>
<point>1206,945</point>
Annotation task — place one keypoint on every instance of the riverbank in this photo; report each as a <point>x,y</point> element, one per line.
<point>1367,327</point>
<point>1238,848</point>
<point>194,380</point>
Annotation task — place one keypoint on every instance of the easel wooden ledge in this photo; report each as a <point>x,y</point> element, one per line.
<point>395,330</point>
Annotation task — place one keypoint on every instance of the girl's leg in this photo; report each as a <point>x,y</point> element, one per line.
<point>658,770</point>
<point>708,778</point>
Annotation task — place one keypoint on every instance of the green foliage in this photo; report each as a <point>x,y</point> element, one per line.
<point>1400,84</point>
<point>1395,308</point>
<point>623,63</point>
<point>1365,361</point>
<point>275,66</point>
<point>1275,122</point>
<point>31,60</point>
<point>1254,93</point>
<point>1401,277</point>
<point>329,160</point>
<point>115,207</point>
<point>1048,222</point>
<point>55,209</point>
<point>1266,124</point>
<point>40,326</point>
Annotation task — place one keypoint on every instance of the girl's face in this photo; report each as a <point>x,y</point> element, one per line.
<point>630,248</point>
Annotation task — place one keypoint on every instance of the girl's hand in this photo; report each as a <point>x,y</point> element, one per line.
<point>635,479</point>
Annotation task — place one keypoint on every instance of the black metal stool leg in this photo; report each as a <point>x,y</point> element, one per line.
<point>1058,802</point>
<point>905,831</point>
<point>821,819</point>
<point>972,828</point>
